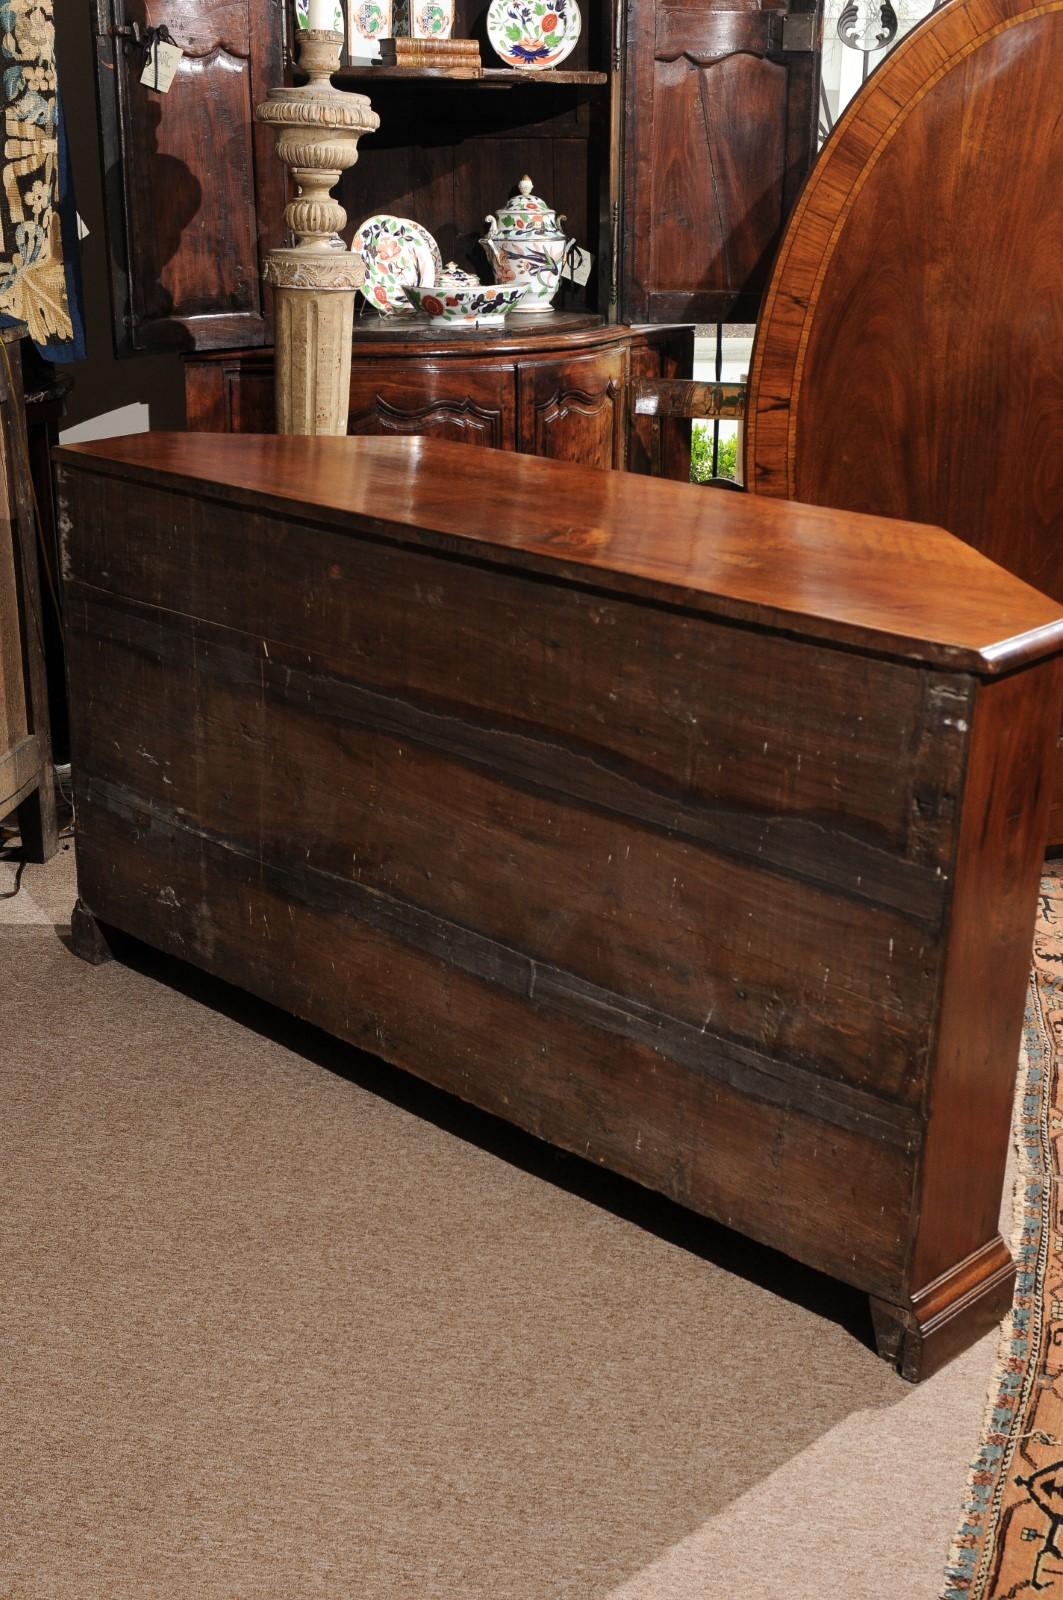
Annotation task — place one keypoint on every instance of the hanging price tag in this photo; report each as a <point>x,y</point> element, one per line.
<point>578,264</point>
<point>161,66</point>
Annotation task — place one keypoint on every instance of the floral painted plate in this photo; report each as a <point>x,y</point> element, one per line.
<point>533,34</point>
<point>302,12</point>
<point>395,251</point>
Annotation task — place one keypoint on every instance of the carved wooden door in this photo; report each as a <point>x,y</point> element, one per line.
<point>193,189</point>
<point>468,404</point>
<point>719,126</point>
<point>574,409</point>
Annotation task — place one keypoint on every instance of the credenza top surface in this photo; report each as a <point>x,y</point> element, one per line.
<point>888,587</point>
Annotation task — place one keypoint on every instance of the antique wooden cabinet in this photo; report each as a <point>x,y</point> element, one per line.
<point>693,832</point>
<point>560,388</point>
<point>673,139</point>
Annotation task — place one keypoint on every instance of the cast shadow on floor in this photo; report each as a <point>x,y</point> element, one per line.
<point>654,1213</point>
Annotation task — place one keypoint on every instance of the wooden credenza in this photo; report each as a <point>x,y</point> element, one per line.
<point>699,834</point>
<point>559,387</point>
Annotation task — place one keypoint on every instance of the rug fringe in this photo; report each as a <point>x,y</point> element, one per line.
<point>1022,1330</point>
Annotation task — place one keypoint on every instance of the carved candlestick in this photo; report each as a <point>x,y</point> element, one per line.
<point>315,280</point>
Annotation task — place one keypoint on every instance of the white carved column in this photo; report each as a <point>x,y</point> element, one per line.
<point>314,282</point>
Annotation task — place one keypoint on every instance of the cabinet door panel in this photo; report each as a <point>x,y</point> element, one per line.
<point>467,405</point>
<point>194,191</point>
<point>575,410</point>
<point>718,135</point>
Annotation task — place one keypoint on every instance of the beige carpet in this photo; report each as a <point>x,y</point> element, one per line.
<point>279,1322</point>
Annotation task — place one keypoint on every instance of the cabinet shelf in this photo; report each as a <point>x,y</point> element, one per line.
<point>490,78</point>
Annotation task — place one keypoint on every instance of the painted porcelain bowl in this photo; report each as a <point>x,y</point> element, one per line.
<point>479,306</point>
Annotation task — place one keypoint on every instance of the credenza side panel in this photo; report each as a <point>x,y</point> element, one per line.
<point>1000,858</point>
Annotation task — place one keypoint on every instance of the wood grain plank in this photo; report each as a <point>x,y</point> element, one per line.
<point>874,584</point>
<point>713,932</point>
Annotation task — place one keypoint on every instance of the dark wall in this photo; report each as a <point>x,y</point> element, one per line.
<point>102,383</point>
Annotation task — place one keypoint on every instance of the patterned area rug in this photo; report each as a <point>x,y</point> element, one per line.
<point>33,280</point>
<point>1011,1539</point>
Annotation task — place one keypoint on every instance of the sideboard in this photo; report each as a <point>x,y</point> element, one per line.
<point>557,386</point>
<point>699,834</point>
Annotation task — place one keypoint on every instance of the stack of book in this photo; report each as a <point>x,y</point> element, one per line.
<point>456,56</point>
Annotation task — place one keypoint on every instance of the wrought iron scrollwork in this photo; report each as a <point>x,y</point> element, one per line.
<point>867,28</point>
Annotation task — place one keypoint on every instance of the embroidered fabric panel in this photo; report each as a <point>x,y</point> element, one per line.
<point>35,280</point>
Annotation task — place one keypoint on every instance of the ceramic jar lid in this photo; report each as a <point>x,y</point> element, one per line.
<point>524,213</point>
<point>454,277</point>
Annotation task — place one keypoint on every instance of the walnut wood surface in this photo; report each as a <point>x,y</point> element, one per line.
<point>908,358</point>
<point>719,125</point>
<point>521,776</point>
<point>907,361</point>
<point>554,330</point>
<point>893,587</point>
<point>194,191</point>
<point>491,77</point>
<point>556,386</point>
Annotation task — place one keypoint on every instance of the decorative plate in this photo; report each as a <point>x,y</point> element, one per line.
<point>533,34</point>
<point>302,11</point>
<point>395,251</point>
<point>432,19</point>
<point>370,20</point>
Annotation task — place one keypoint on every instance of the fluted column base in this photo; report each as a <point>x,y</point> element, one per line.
<point>313,298</point>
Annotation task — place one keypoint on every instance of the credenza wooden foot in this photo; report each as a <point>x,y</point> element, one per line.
<point>88,938</point>
<point>947,1316</point>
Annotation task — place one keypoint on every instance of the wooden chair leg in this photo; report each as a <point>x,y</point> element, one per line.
<point>37,821</point>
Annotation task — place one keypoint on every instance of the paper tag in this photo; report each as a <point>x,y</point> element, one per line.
<point>578,267</point>
<point>163,62</point>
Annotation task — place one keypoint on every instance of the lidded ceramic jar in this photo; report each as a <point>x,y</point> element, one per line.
<point>526,243</point>
<point>455,277</point>
<point>523,213</point>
